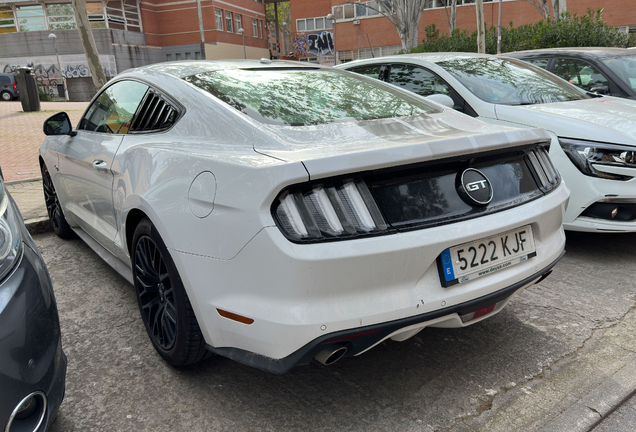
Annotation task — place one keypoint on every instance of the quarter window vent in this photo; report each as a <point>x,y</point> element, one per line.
<point>154,115</point>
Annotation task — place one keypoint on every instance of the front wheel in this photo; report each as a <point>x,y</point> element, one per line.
<point>53,208</point>
<point>164,305</point>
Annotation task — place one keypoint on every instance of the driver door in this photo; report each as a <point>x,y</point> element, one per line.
<point>85,161</point>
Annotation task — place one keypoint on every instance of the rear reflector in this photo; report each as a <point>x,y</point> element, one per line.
<point>484,311</point>
<point>235,317</point>
<point>479,313</point>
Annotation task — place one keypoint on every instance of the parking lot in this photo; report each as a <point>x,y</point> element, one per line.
<point>546,362</point>
<point>552,345</point>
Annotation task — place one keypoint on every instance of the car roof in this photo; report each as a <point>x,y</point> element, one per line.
<point>590,52</point>
<point>182,69</point>
<point>432,57</point>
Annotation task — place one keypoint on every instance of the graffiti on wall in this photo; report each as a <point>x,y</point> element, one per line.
<point>48,75</point>
<point>319,44</point>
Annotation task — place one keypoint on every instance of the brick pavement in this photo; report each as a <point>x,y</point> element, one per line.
<point>21,135</point>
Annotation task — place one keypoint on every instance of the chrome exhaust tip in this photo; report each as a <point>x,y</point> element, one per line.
<point>331,355</point>
<point>29,414</point>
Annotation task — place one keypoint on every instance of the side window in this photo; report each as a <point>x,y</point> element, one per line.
<point>542,63</point>
<point>114,108</point>
<point>5,80</point>
<point>580,73</point>
<point>417,80</point>
<point>372,71</point>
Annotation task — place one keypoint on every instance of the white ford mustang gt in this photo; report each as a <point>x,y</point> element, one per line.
<point>593,138</point>
<point>275,212</point>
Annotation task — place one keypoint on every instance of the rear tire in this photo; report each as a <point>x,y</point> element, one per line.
<point>6,96</point>
<point>53,207</point>
<point>164,305</point>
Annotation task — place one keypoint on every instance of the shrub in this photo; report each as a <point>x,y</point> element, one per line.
<point>569,30</point>
<point>43,96</point>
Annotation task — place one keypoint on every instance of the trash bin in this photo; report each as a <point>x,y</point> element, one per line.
<point>29,97</point>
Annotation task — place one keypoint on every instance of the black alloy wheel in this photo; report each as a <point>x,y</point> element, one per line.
<point>53,208</point>
<point>164,305</point>
<point>155,292</point>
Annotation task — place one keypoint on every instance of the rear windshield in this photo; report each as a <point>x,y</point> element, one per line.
<point>306,97</point>
<point>510,81</point>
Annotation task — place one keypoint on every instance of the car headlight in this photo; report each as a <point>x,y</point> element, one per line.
<point>585,155</point>
<point>10,238</point>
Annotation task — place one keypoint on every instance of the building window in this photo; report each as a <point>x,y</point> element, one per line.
<point>132,15</point>
<point>30,18</point>
<point>7,20</point>
<point>60,16</point>
<point>254,27</point>
<point>168,57</point>
<point>115,15</point>
<point>218,14</point>
<point>261,32</point>
<point>228,22</point>
<point>237,18</point>
<point>187,56</point>
<point>358,10</point>
<point>197,55</point>
<point>177,56</point>
<point>96,15</point>
<point>309,24</point>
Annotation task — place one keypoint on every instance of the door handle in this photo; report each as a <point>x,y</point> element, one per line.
<point>100,164</point>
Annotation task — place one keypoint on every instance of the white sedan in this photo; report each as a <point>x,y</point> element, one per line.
<point>593,138</point>
<point>275,212</point>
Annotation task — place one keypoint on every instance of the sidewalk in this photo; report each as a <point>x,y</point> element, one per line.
<point>29,197</point>
<point>21,135</point>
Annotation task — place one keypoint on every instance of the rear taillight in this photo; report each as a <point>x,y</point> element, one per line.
<point>336,210</point>
<point>13,85</point>
<point>547,175</point>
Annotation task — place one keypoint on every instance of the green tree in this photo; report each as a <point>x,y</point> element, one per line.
<point>284,24</point>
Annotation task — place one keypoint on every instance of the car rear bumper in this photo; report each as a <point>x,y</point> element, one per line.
<point>296,293</point>
<point>358,340</point>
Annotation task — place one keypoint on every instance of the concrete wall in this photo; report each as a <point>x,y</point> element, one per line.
<point>80,89</point>
<point>230,51</point>
<point>129,48</point>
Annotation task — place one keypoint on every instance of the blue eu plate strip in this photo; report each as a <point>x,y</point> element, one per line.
<point>447,265</point>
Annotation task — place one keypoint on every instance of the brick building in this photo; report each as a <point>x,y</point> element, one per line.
<point>359,31</point>
<point>128,33</point>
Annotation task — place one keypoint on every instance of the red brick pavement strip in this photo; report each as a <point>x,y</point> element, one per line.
<point>21,135</point>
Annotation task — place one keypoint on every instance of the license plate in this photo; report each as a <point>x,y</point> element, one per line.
<point>468,261</point>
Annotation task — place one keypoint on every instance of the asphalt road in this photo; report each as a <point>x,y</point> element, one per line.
<point>441,379</point>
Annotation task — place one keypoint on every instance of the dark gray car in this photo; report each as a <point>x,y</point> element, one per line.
<point>610,71</point>
<point>8,88</point>
<point>32,363</point>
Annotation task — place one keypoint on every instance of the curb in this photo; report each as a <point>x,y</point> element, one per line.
<point>38,226</point>
<point>28,180</point>
<point>598,404</point>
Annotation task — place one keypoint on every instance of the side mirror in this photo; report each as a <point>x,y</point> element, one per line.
<point>442,99</point>
<point>59,124</point>
<point>604,90</point>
